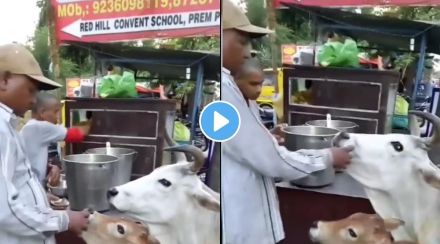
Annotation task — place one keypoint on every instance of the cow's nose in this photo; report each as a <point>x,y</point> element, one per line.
<point>336,142</point>
<point>112,192</point>
<point>315,224</point>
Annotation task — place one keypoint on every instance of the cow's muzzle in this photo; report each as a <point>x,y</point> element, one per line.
<point>112,193</point>
<point>340,137</point>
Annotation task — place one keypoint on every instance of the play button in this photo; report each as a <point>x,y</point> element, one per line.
<point>219,121</point>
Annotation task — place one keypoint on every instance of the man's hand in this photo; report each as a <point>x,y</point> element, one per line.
<point>278,133</point>
<point>78,221</point>
<point>85,127</point>
<point>341,157</point>
<point>52,197</point>
<point>53,178</point>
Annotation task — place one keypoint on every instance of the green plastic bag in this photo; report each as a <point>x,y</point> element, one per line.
<point>401,107</point>
<point>338,54</point>
<point>400,117</point>
<point>116,86</point>
<point>181,132</point>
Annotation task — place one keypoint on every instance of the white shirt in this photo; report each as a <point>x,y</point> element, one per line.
<point>37,136</point>
<point>250,161</point>
<point>25,215</point>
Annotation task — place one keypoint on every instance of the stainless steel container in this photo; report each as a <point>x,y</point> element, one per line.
<point>124,166</point>
<point>311,137</point>
<point>61,189</point>
<point>341,125</point>
<point>88,179</point>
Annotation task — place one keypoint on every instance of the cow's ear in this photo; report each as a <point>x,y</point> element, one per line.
<point>207,200</point>
<point>392,224</point>
<point>431,177</point>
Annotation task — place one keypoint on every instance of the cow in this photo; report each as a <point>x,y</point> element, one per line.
<point>104,229</point>
<point>358,228</point>
<point>399,178</point>
<point>173,201</point>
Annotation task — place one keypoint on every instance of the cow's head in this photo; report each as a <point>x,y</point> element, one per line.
<point>169,192</point>
<point>115,230</point>
<point>396,156</point>
<point>358,228</point>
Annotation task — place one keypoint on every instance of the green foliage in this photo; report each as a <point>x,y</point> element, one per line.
<point>184,88</point>
<point>41,48</point>
<point>44,17</point>
<point>411,13</point>
<point>211,44</point>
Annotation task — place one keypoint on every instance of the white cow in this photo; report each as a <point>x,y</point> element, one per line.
<point>399,179</point>
<point>177,206</point>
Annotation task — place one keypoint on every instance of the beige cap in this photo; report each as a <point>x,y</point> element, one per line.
<point>234,18</point>
<point>18,60</point>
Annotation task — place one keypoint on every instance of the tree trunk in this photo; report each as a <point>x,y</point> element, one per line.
<point>53,43</point>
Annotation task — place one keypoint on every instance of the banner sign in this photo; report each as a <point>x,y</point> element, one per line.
<point>120,20</point>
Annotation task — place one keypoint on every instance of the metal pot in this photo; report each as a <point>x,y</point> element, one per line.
<point>124,166</point>
<point>311,137</point>
<point>341,125</point>
<point>308,137</point>
<point>89,178</point>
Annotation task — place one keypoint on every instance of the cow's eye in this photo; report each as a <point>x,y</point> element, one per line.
<point>352,233</point>
<point>165,182</point>
<point>121,229</point>
<point>397,146</point>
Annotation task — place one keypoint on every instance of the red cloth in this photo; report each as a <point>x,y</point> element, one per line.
<point>74,135</point>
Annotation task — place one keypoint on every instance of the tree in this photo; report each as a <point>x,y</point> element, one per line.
<point>41,48</point>
<point>197,43</point>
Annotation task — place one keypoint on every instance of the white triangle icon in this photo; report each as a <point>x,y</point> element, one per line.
<point>219,121</point>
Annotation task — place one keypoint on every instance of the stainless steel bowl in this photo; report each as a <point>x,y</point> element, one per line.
<point>311,137</point>
<point>61,190</point>
<point>341,125</point>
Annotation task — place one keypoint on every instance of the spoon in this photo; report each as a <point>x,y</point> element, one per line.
<point>108,146</point>
<point>329,120</point>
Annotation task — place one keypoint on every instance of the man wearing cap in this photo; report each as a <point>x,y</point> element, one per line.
<point>253,158</point>
<point>25,215</point>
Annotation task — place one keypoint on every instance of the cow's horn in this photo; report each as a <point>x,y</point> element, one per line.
<point>414,127</point>
<point>179,156</point>
<point>169,140</point>
<point>199,158</point>
<point>434,120</point>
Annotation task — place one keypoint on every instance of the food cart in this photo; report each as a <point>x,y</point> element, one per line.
<point>148,115</point>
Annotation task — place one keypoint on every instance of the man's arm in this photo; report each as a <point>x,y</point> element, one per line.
<point>51,133</point>
<point>255,147</point>
<point>17,216</point>
<point>45,131</point>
